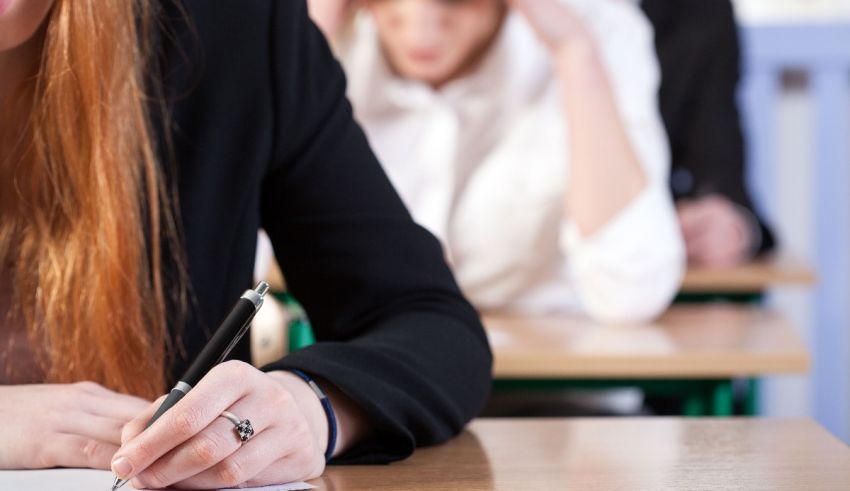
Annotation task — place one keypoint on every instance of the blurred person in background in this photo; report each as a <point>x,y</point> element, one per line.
<point>526,136</point>
<point>697,45</point>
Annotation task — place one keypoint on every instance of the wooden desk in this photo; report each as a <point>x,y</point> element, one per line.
<point>693,352</point>
<point>749,278</point>
<point>703,341</point>
<point>607,454</point>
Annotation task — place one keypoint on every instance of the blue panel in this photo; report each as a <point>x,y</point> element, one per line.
<point>759,96</point>
<point>832,329</point>
<point>823,51</point>
<point>797,45</point>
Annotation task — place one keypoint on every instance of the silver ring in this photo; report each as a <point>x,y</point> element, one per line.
<point>243,426</point>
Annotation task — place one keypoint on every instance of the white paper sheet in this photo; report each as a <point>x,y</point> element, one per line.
<point>90,480</point>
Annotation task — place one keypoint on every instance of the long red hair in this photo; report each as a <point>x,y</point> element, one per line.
<point>89,209</point>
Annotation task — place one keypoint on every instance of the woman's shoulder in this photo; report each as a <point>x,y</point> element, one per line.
<point>249,67</point>
<point>225,45</point>
<point>229,31</point>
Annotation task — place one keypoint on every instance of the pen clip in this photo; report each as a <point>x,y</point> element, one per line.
<point>254,296</point>
<point>235,340</point>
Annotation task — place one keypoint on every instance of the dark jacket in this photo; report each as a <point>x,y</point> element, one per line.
<point>262,136</point>
<point>697,45</point>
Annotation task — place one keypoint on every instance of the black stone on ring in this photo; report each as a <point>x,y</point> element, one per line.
<point>243,426</point>
<point>245,430</point>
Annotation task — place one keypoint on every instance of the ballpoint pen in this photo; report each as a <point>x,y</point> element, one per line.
<point>217,348</point>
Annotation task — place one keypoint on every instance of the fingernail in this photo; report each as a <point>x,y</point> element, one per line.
<point>122,467</point>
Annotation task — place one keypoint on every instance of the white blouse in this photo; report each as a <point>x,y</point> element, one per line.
<point>483,164</point>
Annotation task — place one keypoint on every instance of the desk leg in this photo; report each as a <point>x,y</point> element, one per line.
<point>751,401</point>
<point>709,398</point>
<point>722,398</point>
<point>694,404</point>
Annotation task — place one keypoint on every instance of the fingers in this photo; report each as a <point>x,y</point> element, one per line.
<point>104,402</point>
<point>93,388</point>
<point>214,393</point>
<point>192,446</point>
<point>72,450</point>
<point>124,408</point>
<point>98,413</point>
<point>553,21</point>
<point>259,463</point>
<point>92,426</point>
<point>137,424</point>
<point>210,447</point>
<point>693,218</point>
<point>63,425</point>
<point>723,249</point>
<point>715,250</point>
<point>715,233</point>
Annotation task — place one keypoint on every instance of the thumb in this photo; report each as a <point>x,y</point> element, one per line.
<point>137,425</point>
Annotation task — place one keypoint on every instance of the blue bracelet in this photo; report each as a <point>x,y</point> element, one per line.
<point>326,405</point>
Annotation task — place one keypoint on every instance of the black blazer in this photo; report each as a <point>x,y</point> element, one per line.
<point>261,135</point>
<point>697,45</point>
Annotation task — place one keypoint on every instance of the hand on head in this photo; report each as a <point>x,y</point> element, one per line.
<point>555,23</point>
<point>331,15</point>
<point>432,40</point>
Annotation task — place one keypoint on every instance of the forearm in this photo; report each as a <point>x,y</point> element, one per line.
<point>605,173</point>
<point>641,246</point>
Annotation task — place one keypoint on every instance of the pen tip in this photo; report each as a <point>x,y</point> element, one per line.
<point>117,483</point>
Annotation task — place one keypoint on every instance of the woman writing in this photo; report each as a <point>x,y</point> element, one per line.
<point>141,147</point>
<point>538,155</point>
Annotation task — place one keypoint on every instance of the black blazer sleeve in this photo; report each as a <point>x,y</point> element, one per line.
<point>394,332</point>
<point>699,52</point>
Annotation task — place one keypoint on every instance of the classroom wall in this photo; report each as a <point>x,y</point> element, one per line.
<point>796,100</point>
<point>761,11</point>
<point>793,180</point>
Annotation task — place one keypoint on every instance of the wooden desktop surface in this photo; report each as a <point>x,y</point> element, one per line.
<point>689,341</point>
<point>756,276</point>
<point>616,454</point>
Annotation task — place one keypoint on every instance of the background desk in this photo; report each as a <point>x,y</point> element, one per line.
<point>604,454</point>
<point>746,283</point>
<point>694,350</point>
<point>753,277</point>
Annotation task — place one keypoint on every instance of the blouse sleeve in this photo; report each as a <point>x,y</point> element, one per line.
<point>631,268</point>
<point>394,332</point>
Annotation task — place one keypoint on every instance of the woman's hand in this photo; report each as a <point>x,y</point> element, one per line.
<point>331,15</point>
<point>192,447</point>
<point>67,425</point>
<point>716,232</point>
<point>555,23</point>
